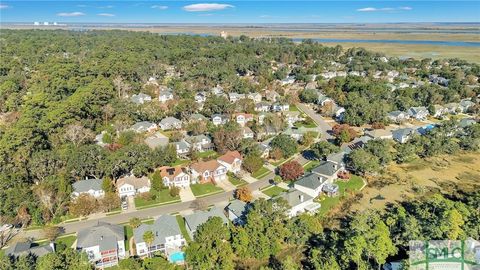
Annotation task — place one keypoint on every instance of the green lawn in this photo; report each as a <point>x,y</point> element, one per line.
<point>293,108</point>
<point>307,123</point>
<point>261,173</point>
<point>183,229</point>
<point>273,191</point>
<point>310,165</point>
<point>66,240</point>
<point>354,184</point>
<point>162,197</point>
<point>236,181</point>
<point>200,190</point>
<point>180,162</point>
<point>281,161</point>
<point>129,232</point>
<point>207,154</point>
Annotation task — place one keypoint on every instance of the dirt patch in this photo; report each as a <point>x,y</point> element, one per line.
<point>433,175</point>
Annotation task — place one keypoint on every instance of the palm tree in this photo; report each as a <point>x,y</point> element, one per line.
<point>134,222</point>
<point>148,237</point>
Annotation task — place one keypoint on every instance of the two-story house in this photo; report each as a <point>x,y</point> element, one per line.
<point>256,97</point>
<point>167,238</point>
<point>165,95</point>
<point>418,113</point>
<point>200,143</point>
<point>208,171</point>
<point>103,243</point>
<point>232,160</point>
<point>174,176</point>
<point>234,97</point>
<point>132,185</point>
<point>170,123</point>
<point>243,118</point>
<point>93,187</point>
<point>182,148</point>
<point>219,119</point>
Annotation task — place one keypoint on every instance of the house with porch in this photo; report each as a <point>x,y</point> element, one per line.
<point>200,143</point>
<point>243,118</point>
<point>219,119</point>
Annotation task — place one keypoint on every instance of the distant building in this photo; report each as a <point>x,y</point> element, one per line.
<point>170,123</point>
<point>165,95</point>
<point>144,126</point>
<point>419,113</point>
<point>156,140</point>
<point>92,187</point>
<point>141,98</point>
<point>402,135</point>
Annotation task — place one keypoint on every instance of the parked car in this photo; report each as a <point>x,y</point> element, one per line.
<point>124,205</point>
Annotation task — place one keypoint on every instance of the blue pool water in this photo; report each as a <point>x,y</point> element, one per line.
<point>177,257</point>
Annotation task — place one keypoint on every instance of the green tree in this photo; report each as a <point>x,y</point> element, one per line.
<point>148,237</point>
<point>362,161</point>
<point>285,143</point>
<point>322,149</point>
<point>134,222</point>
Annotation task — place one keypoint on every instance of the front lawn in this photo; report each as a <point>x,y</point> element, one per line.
<point>293,108</point>
<point>260,173</point>
<point>236,181</point>
<point>180,162</point>
<point>200,190</point>
<point>281,161</point>
<point>354,184</point>
<point>273,191</point>
<point>310,165</point>
<point>66,240</point>
<point>307,123</point>
<point>183,228</point>
<point>207,154</point>
<point>160,197</point>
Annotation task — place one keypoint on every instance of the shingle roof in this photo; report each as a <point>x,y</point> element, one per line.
<point>237,207</point>
<point>402,132</point>
<point>294,197</point>
<point>326,168</point>
<point>198,218</point>
<point>202,166</point>
<point>170,120</point>
<point>24,248</point>
<point>86,185</point>
<point>142,125</point>
<point>104,235</point>
<point>197,117</point>
<point>170,172</point>
<point>230,156</point>
<point>134,181</point>
<point>311,180</point>
<point>164,226</point>
<point>182,145</point>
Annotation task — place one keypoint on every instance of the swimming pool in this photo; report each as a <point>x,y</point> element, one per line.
<point>177,257</point>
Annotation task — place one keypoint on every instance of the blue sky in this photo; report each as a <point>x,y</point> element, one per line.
<point>240,11</point>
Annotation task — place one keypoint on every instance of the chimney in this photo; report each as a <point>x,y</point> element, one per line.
<point>300,197</point>
<point>101,237</point>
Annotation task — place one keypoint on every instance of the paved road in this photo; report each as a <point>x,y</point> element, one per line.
<point>323,126</point>
<point>149,212</point>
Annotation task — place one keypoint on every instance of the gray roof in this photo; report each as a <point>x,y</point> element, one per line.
<point>327,168</point>
<point>142,125</point>
<point>237,207</point>
<point>395,113</point>
<point>198,218</point>
<point>164,226</point>
<point>402,132</point>
<point>465,122</point>
<point>140,98</point>
<point>340,156</point>
<point>294,197</point>
<point>86,185</point>
<point>198,138</point>
<point>156,140</point>
<point>197,117</point>
<point>311,180</point>
<point>170,120</point>
<point>104,235</point>
<point>166,92</point>
<point>466,103</point>
<point>182,145</point>
<point>24,248</point>
<point>416,110</point>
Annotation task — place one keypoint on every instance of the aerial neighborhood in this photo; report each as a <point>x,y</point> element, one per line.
<point>255,159</point>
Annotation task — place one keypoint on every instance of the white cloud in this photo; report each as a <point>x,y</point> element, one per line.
<point>70,14</point>
<point>106,14</point>
<point>159,7</point>
<point>109,6</point>
<point>206,7</point>
<point>372,9</point>
<point>2,6</point>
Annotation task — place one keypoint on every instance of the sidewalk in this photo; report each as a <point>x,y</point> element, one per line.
<point>257,194</point>
<point>283,185</point>
<point>186,194</point>
<point>247,177</point>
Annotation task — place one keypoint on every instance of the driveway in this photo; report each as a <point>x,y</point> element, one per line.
<point>186,194</point>
<point>225,185</point>
<point>322,125</point>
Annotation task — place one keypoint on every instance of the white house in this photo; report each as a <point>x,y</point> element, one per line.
<point>243,118</point>
<point>219,119</point>
<point>418,113</point>
<point>403,134</point>
<point>234,97</point>
<point>141,98</point>
<point>256,97</point>
<point>277,107</point>
<point>182,148</point>
<point>144,126</point>
<point>262,106</point>
<point>103,243</point>
<point>247,133</point>
<point>200,143</point>
<point>165,95</point>
<point>174,176</point>
<point>298,202</point>
<point>310,184</point>
<point>170,123</point>
<point>208,171</point>
<point>200,97</point>
<point>93,187</point>
<point>131,185</point>
<point>232,160</point>
<point>397,116</point>
<point>167,238</point>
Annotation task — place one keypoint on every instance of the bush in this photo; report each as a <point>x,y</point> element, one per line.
<point>174,191</point>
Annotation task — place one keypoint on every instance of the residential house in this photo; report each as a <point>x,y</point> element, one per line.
<point>419,113</point>
<point>217,90</point>
<point>403,134</point>
<point>339,157</point>
<point>167,238</point>
<point>439,110</point>
<point>288,80</point>
<point>93,187</point>
<point>200,143</point>
<point>425,129</point>
<point>292,117</point>
<point>359,142</point>
<point>141,98</point>
<point>397,116</point>
<point>219,119</point>
<point>232,160</point>
<point>264,149</point>
<point>322,99</point>
<point>247,133</point>
<point>156,140</point>
<point>28,247</point>
<point>170,123</point>
<point>328,170</point>
<point>272,95</point>
<point>261,117</point>
<point>434,78</point>
<point>182,148</point>
<point>197,117</point>
<point>103,243</point>
<point>256,97</point>
<point>310,184</point>
<point>99,139</point>
<point>298,202</point>
<point>338,112</point>
<point>174,176</point>
<point>262,106</point>
<point>234,97</point>
<point>453,108</point>
<point>193,221</point>
<point>144,126</point>
<point>279,107</point>
<point>465,122</point>
<point>465,105</point>
<point>379,134</point>
<point>208,171</point>
<point>236,211</point>
<point>266,130</point>
<point>200,97</point>
<point>165,95</point>
<point>243,118</point>
<point>131,185</point>
<point>295,133</point>
<point>341,74</point>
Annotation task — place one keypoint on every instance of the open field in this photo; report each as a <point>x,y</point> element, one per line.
<point>433,175</point>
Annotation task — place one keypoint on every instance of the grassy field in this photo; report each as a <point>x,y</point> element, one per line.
<point>432,175</point>
<point>180,162</point>
<point>260,173</point>
<point>129,232</point>
<point>236,181</point>
<point>310,165</point>
<point>183,229</point>
<point>345,188</point>
<point>200,190</point>
<point>273,191</point>
<point>161,197</point>
<point>208,154</point>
